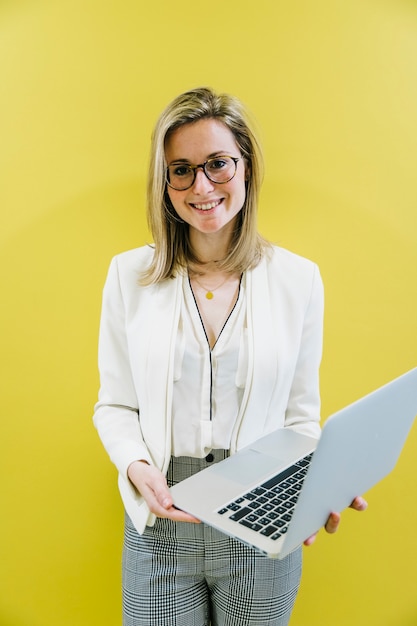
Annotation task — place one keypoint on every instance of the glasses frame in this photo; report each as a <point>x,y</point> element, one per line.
<point>194,169</point>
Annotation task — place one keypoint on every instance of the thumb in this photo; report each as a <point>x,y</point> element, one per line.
<point>164,498</point>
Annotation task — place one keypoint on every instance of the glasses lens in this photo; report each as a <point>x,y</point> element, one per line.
<point>220,169</point>
<point>180,176</point>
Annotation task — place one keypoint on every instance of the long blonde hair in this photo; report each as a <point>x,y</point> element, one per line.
<point>170,233</point>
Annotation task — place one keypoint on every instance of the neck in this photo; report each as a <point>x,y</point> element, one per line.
<point>210,248</point>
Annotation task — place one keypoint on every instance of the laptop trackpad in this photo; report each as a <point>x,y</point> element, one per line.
<point>246,467</point>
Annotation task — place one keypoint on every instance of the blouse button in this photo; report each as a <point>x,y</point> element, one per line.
<point>210,458</point>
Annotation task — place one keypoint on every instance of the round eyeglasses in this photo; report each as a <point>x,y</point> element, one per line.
<point>219,169</point>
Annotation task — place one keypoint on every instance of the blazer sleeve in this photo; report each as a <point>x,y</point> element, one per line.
<point>116,414</point>
<point>303,408</point>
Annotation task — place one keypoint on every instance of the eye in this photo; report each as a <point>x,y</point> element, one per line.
<point>217,164</point>
<point>180,170</point>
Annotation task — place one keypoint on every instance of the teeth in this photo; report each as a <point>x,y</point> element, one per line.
<point>206,207</point>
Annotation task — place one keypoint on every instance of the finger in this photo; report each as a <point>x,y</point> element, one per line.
<point>332,523</point>
<point>152,501</point>
<point>178,515</point>
<point>310,540</point>
<point>153,487</point>
<point>359,504</point>
<point>156,493</point>
<point>163,497</point>
<point>172,513</point>
<point>160,503</point>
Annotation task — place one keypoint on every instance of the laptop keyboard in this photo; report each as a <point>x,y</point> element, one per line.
<point>268,509</point>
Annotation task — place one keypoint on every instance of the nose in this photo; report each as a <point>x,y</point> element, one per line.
<point>201,183</point>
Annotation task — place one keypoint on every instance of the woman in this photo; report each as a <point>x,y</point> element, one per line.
<point>209,339</point>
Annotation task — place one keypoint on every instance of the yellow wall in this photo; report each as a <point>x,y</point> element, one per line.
<point>333,85</point>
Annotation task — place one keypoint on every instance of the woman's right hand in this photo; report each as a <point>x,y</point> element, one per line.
<point>152,486</point>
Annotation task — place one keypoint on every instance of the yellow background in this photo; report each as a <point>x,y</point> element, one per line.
<point>333,85</point>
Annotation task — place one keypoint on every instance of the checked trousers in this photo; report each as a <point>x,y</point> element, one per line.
<point>180,574</point>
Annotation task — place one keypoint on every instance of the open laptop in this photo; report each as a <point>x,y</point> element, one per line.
<point>278,491</point>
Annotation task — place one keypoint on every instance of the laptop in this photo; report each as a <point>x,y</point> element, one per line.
<point>277,492</point>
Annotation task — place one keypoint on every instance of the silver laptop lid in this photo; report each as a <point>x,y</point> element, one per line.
<point>359,445</point>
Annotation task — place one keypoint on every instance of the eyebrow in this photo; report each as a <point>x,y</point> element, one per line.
<point>210,156</point>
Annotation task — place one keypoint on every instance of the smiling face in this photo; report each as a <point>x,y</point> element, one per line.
<point>208,208</point>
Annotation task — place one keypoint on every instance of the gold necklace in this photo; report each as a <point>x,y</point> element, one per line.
<point>210,292</point>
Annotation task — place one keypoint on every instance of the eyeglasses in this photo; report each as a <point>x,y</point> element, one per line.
<point>220,169</point>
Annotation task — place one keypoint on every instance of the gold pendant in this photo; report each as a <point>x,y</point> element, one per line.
<point>209,295</point>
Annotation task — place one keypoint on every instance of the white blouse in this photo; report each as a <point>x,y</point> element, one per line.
<point>208,383</point>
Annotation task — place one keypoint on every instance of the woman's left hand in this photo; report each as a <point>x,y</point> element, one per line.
<point>333,521</point>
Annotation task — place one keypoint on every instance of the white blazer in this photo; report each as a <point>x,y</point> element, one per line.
<point>136,360</point>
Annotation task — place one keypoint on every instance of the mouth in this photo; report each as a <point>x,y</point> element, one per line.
<point>206,206</point>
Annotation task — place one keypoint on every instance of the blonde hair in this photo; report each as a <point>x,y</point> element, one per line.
<point>170,234</point>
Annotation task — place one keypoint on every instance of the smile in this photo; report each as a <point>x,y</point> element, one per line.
<point>207,205</point>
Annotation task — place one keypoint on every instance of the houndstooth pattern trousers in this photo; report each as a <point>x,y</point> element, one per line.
<point>180,574</point>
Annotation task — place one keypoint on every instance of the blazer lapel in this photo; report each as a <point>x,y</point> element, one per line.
<point>156,333</point>
<point>262,360</point>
